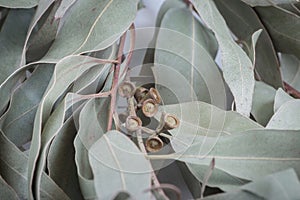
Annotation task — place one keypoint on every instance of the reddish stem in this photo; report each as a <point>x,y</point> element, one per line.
<point>113,90</point>
<point>292,91</point>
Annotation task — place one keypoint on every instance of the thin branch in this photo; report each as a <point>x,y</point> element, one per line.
<point>292,91</point>
<point>131,48</point>
<point>115,83</point>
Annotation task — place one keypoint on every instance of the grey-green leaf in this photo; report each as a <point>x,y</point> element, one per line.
<point>290,68</point>
<point>287,116</point>
<point>6,191</point>
<point>277,186</point>
<point>12,39</point>
<point>17,122</point>
<point>281,97</point>
<point>184,70</point>
<point>13,168</point>
<point>248,155</point>
<point>283,27</point>
<point>268,2</point>
<point>243,21</point>
<point>263,101</point>
<point>18,3</point>
<point>61,160</point>
<point>116,158</point>
<point>98,26</point>
<point>92,126</point>
<point>237,66</point>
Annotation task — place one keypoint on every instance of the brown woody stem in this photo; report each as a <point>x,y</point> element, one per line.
<point>113,91</point>
<point>292,91</point>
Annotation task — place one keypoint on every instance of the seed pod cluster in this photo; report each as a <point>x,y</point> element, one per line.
<point>146,100</point>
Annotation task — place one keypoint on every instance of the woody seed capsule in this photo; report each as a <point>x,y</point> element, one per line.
<point>126,89</point>
<point>133,123</point>
<point>149,108</point>
<point>154,144</point>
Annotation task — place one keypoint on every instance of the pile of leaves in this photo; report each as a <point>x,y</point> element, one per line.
<point>76,124</point>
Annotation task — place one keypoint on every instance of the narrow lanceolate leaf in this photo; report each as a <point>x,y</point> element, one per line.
<point>41,141</point>
<point>280,185</point>
<point>113,164</point>
<point>149,56</point>
<point>61,160</point>
<point>63,7</point>
<point>13,168</point>
<point>290,68</point>
<point>43,6</point>
<point>248,155</point>
<point>17,122</point>
<point>92,125</point>
<point>268,2</point>
<point>12,39</point>
<point>19,3</point>
<point>6,191</point>
<point>243,21</point>
<point>184,70</point>
<point>43,35</point>
<point>283,27</point>
<point>281,97</point>
<point>263,102</point>
<point>101,24</point>
<point>46,126</point>
<point>237,66</point>
<point>287,117</point>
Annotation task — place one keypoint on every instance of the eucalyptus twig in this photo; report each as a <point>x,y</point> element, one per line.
<point>113,91</point>
<point>154,178</point>
<point>141,145</point>
<point>167,186</point>
<point>131,48</point>
<point>292,91</point>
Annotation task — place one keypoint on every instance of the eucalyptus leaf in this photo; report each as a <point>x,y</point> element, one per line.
<point>283,28</point>
<point>280,185</point>
<point>43,6</point>
<point>92,126</point>
<point>63,7</point>
<point>61,163</point>
<point>42,140</point>
<point>91,30</point>
<point>219,178</point>
<point>45,129</point>
<point>268,2</point>
<point>88,82</point>
<point>112,163</point>
<point>17,123</point>
<point>281,97</point>
<point>19,3</point>
<point>12,39</point>
<point>263,101</point>
<point>45,32</point>
<point>290,68</point>
<point>237,66</point>
<point>243,21</point>
<point>6,191</point>
<point>149,55</point>
<point>287,117</point>
<point>184,70</point>
<point>13,168</point>
<point>248,155</point>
